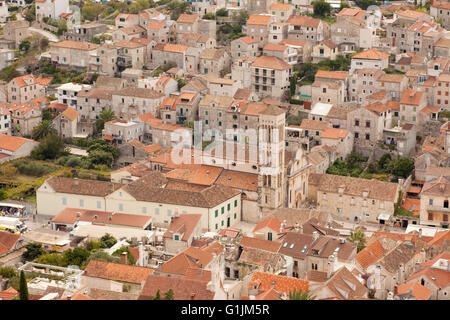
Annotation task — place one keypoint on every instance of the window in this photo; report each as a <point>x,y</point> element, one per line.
<point>356,123</point>
<point>144,210</point>
<point>324,196</point>
<point>99,204</point>
<point>430,216</point>
<point>64,201</point>
<point>314,266</point>
<point>235,203</point>
<point>216,213</point>
<point>217,226</point>
<point>157,211</point>
<point>367,136</point>
<point>367,124</point>
<point>169,212</point>
<point>120,206</point>
<point>223,210</point>
<point>430,202</point>
<point>81,203</point>
<point>176,237</point>
<point>445,217</point>
<point>445,203</point>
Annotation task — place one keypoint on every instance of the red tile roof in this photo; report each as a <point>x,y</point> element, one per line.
<point>116,271</point>
<point>415,289</point>
<point>271,223</point>
<point>370,254</point>
<point>266,281</point>
<point>266,245</point>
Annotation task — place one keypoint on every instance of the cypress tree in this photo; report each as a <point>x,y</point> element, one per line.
<point>23,287</point>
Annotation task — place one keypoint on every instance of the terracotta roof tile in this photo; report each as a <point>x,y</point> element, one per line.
<point>116,271</point>
<point>371,54</point>
<point>333,133</point>
<point>270,62</point>
<point>266,245</point>
<point>258,20</point>
<point>370,254</point>
<point>271,223</point>
<point>415,289</point>
<point>266,281</point>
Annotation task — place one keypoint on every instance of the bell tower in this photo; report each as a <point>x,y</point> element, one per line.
<point>271,146</point>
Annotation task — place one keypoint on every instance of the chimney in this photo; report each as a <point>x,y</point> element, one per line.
<point>315,235</point>
<point>330,269</point>
<point>75,181</point>
<point>78,214</point>
<point>124,258</point>
<point>141,254</point>
<point>192,295</point>
<point>420,233</point>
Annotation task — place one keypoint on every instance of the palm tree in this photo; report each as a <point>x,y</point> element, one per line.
<point>300,295</point>
<point>42,130</point>
<point>360,237</point>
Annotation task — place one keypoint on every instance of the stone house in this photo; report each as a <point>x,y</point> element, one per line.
<point>26,88</point>
<point>434,199</point>
<point>270,76</point>
<point>214,61</point>
<point>124,20</point>
<point>303,48</point>
<point>314,252</point>
<point>66,124</point>
<point>368,123</point>
<point>411,103</point>
<point>73,54</point>
<point>15,147</point>
<point>26,116</point>
<point>326,49</point>
<point>91,102</point>
<point>239,71</point>
<point>306,28</point>
<point>129,103</point>
<point>181,232</point>
<point>123,131</point>
<point>371,58</point>
<point>282,52</point>
<point>158,31</point>
<point>16,31</point>
<point>355,199</point>
<point>342,139</point>
<point>441,10</point>
<point>257,28</point>
<point>51,9</point>
<point>281,11</point>
<point>85,32</point>
<point>243,47</point>
<point>128,33</point>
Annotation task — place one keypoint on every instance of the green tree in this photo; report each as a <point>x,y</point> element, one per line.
<point>101,157</point>
<point>300,295</point>
<point>168,295</point>
<point>105,116</point>
<point>50,147</point>
<point>3,194</point>
<point>222,12</point>
<point>53,258</point>
<point>30,14</point>
<point>130,258</point>
<point>23,289</point>
<point>101,256</point>
<point>384,160</point>
<point>33,250</point>
<point>107,241</point>
<point>91,10</point>
<point>321,8</point>
<point>293,84</point>
<point>138,6</point>
<point>403,167</point>
<point>9,73</point>
<point>209,16</point>
<point>8,272</point>
<point>76,256</point>
<point>158,295</point>
<point>44,43</point>
<point>43,129</point>
<point>360,237</point>
<point>24,45</point>
<point>344,5</point>
<point>364,4</point>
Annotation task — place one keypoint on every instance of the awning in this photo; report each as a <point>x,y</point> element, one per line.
<point>384,216</point>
